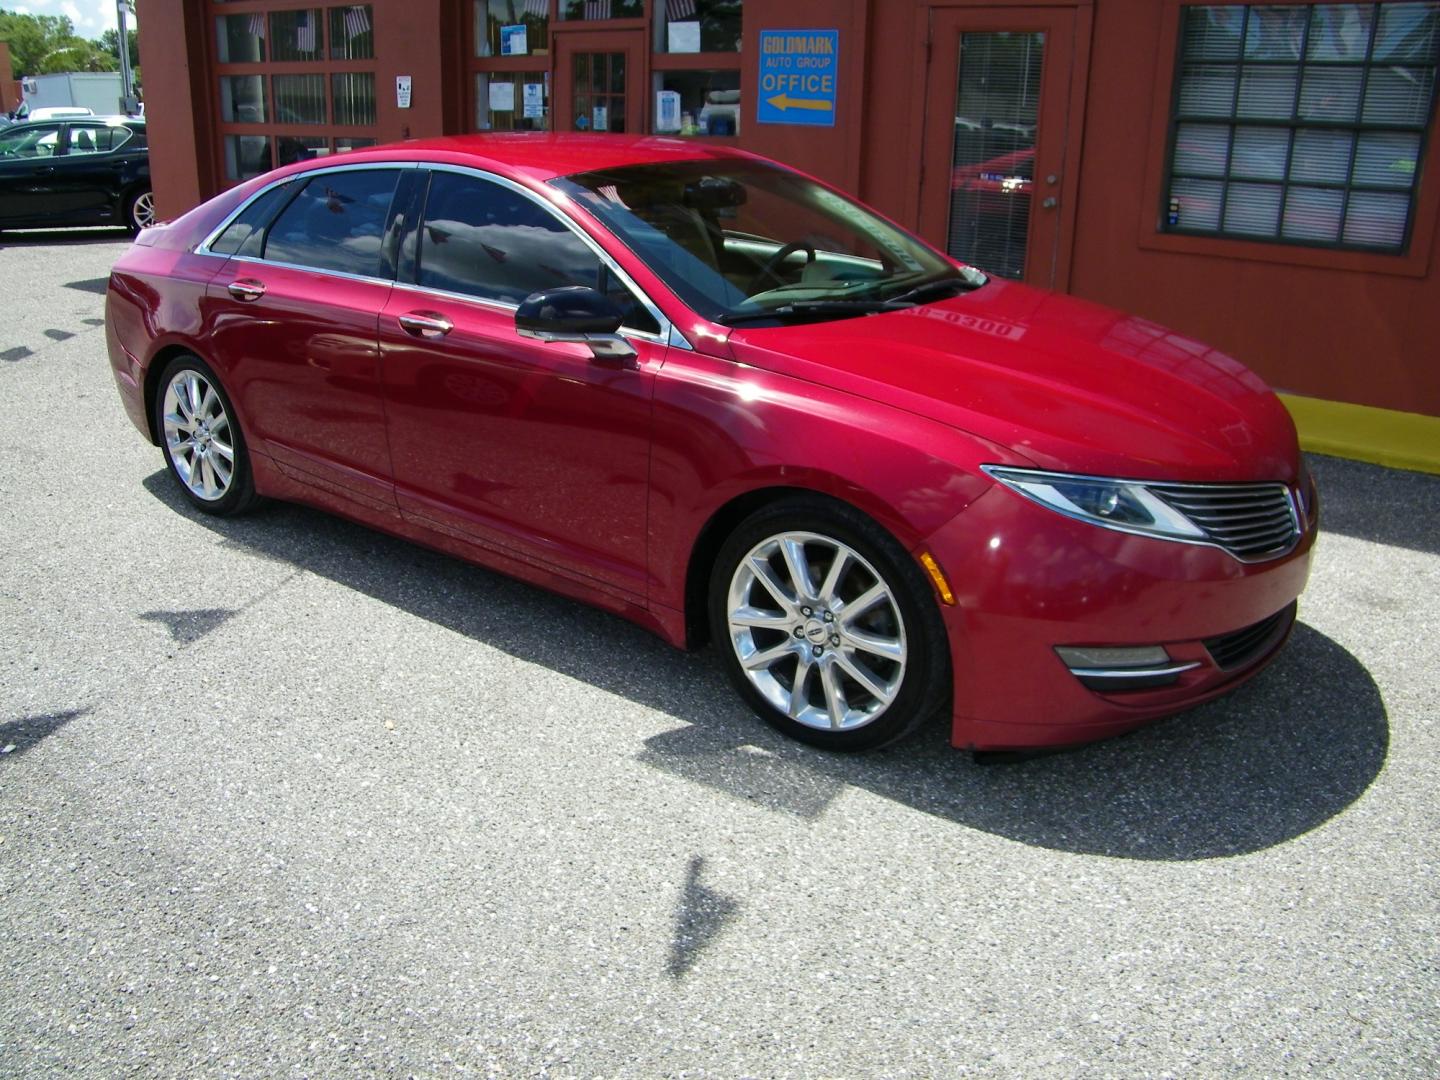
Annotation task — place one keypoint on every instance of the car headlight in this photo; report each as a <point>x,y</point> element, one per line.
<point>1124,505</point>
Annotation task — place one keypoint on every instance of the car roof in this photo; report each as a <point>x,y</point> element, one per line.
<point>543,155</point>
<point>51,121</point>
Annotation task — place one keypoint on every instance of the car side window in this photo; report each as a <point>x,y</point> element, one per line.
<point>96,138</point>
<point>484,240</point>
<point>337,222</point>
<point>35,142</point>
<point>243,236</point>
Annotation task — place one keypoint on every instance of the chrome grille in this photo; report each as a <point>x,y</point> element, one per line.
<point>1250,521</point>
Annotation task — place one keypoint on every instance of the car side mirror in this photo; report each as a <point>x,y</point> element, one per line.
<point>575,313</point>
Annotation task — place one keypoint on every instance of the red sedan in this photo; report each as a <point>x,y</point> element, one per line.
<point>724,400</point>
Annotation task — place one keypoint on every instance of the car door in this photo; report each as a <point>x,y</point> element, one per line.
<point>292,318</point>
<point>27,174</point>
<point>538,451</point>
<point>89,172</point>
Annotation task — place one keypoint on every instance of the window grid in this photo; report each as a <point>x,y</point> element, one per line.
<point>330,42</point>
<point>1304,66</point>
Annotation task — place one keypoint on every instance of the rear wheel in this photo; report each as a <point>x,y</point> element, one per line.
<point>140,210</point>
<point>827,627</point>
<point>203,444</point>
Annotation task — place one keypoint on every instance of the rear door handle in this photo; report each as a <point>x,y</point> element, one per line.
<point>246,290</point>
<point>428,324</point>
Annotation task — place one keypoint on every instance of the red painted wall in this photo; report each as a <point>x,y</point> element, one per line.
<point>9,87</point>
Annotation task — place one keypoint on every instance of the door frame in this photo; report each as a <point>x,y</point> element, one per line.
<point>1062,114</point>
<point>628,40</point>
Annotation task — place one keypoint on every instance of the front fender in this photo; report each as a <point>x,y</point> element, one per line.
<point>723,430</point>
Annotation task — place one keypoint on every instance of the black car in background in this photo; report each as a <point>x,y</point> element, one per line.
<point>83,170</point>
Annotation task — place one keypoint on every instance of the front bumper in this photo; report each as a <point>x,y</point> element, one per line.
<point>1027,580</point>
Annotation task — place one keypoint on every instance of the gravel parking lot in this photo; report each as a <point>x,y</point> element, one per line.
<point>281,796</point>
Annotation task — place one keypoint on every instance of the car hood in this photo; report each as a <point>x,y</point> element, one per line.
<point>1064,383</point>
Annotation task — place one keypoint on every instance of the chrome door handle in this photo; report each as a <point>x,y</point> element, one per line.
<point>246,290</point>
<point>1050,203</point>
<point>425,324</point>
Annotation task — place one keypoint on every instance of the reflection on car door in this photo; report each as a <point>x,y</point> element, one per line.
<point>536,450</point>
<point>293,329</point>
<point>27,174</point>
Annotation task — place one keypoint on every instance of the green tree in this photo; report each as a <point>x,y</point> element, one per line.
<point>108,40</point>
<point>44,44</point>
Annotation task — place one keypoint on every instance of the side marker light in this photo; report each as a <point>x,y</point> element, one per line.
<point>938,577</point>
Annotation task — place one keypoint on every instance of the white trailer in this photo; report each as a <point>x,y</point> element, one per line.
<point>98,91</point>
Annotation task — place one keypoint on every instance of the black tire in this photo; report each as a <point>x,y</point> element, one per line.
<point>134,203</point>
<point>238,494</point>
<point>918,680</point>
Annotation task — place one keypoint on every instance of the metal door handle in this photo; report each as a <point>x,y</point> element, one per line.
<point>1050,203</point>
<point>425,324</point>
<point>246,290</point>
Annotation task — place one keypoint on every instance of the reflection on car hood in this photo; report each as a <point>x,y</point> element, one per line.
<point>1066,384</point>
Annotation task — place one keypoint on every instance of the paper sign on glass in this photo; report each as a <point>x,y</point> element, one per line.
<point>533,94</point>
<point>502,97</point>
<point>402,91</point>
<point>684,37</point>
<point>601,119</point>
<point>512,40</point>
<point>667,110</point>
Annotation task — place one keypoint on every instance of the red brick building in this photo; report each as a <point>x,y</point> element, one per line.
<point>1264,177</point>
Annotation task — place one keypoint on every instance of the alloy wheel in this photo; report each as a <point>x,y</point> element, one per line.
<point>197,435</point>
<point>817,631</point>
<point>142,210</point>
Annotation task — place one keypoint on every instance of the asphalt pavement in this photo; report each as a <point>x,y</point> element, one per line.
<point>281,796</point>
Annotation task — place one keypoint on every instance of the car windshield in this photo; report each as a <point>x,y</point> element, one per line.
<point>747,242</point>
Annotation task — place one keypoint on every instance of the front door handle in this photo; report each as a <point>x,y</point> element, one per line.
<point>427,324</point>
<point>246,290</point>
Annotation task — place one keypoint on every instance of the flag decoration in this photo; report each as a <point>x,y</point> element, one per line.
<point>678,10</point>
<point>357,21</point>
<point>257,25</point>
<point>305,33</point>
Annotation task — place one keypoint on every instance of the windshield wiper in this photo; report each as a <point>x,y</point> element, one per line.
<point>803,308</point>
<point>934,290</point>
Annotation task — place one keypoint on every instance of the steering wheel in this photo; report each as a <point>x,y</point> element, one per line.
<point>773,263</point>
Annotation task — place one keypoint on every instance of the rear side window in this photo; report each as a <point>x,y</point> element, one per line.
<point>336,223</point>
<point>243,235</point>
<point>484,240</point>
<point>97,138</point>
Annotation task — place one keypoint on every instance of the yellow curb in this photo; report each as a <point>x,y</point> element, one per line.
<point>1400,440</point>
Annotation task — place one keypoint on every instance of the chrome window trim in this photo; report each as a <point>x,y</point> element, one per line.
<point>366,278</point>
<point>203,248</point>
<point>667,331</point>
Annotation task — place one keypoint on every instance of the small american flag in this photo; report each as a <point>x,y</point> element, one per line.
<point>597,9</point>
<point>539,8</point>
<point>680,9</point>
<point>305,33</point>
<point>257,25</point>
<point>357,21</point>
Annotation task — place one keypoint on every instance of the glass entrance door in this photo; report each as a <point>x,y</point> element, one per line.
<point>598,82</point>
<point>994,153</point>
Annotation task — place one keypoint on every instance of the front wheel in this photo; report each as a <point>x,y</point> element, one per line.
<point>140,211</point>
<point>204,446</point>
<point>827,627</point>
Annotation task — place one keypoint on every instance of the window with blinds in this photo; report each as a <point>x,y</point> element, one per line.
<point>1302,123</point>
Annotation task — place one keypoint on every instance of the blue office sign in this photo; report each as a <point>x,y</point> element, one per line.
<point>799,74</point>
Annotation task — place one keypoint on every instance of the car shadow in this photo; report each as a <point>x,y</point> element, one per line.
<point>1279,757</point>
<point>47,237</point>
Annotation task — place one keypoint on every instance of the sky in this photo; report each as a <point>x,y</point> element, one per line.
<point>91,17</point>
